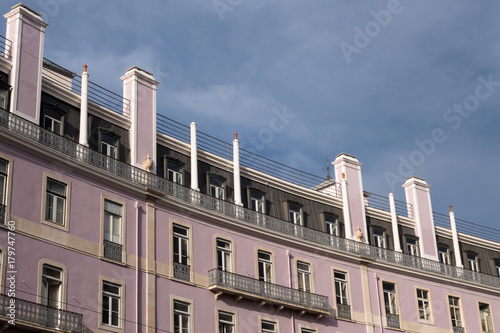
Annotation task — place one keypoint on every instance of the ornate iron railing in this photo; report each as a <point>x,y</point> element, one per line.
<point>268,290</point>
<point>458,329</point>
<point>41,315</point>
<point>344,311</point>
<point>5,47</point>
<point>182,271</point>
<point>392,320</point>
<point>2,214</point>
<point>113,250</point>
<point>140,177</point>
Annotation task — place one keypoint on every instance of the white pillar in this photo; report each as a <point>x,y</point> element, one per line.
<point>194,159</point>
<point>84,114</point>
<point>454,233</point>
<point>394,220</point>
<point>236,171</point>
<point>347,213</point>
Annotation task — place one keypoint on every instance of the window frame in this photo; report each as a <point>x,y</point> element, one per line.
<point>411,248</point>
<point>303,275</point>
<point>295,210</point>
<point>269,262</point>
<point>270,321</point>
<point>346,281</point>
<point>446,253</point>
<point>67,201</point>
<point>173,300</point>
<point>327,223</point>
<point>455,307</point>
<point>422,299</point>
<point>121,317</point>
<point>229,313</point>
<point>490,329</point>
<point>123,228</point>
<point>64,281</point>
<point>472,264</point>
<point>223,251</point>
<point>105,133</point>
<point>166,170</point>
<point>53,120</point>
<point>190,243</point>
<point>217,188</point>
<point>254,191</point>
<point>376,236</point>
<point>5,87</point>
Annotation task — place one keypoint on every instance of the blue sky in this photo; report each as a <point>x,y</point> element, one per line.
<point>409,87</point>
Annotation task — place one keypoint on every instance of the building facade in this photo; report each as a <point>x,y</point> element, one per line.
<point>117,219</point>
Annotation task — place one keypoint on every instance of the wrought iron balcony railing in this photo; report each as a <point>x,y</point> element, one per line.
<point>29,313</point>
<point>248,287</point>
<point>113,251</point>
<point>2,214</point>
<point>140,177</point>
<point>392,320</point>
<point>182,272</point>
<point>458,329</point>
<point>344,311</point>
<point>5,48</point>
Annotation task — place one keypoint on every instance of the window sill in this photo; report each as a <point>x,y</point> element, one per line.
<point>182,281</point>
<point>111,328</point>
<point>113,262</point>
<point>346,320</point>
<point>394,329</point>
<point>56,225</point>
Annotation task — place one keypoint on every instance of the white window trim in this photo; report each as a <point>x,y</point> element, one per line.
<point>311,272</point>
<point>268,319</point>
<point>123,228</point>
<point>64,283</point>
<point>273,266</point>
<point>190,247</point>
<point>67,203</point>
<point>398,303</point>
<point>431,308</point>
<point>460,309</point>
<point>480,318</point>
<point>231,252</point>
<point>191,312</point>
<point>335,285</point>
<point>122,304</point>
<point>230,311</point>
<point>61,122</point>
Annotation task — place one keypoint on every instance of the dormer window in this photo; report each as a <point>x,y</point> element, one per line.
<point>174,172</point>
<point>4,94</point>
<point>109,145</point>
<point>216,187</point>
<point>257,201</point>
<point>52,124</point>
<point>332,225</point>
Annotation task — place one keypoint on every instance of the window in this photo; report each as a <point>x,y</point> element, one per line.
<point>391,304</point>
<point>111,304</point>
<point>379,238</point>
<point>304,276</point>
<point>55,201</point>
<point>268,326</point>
<point>51,294</point>
<point>226,322</point>
<point>456,317</point>
<point>182,322</point>
<point>174,172</point>
<point>217,188</point>
<point>109,145</point>
<point>181,252</point>
<point>341,291</point>
<point>473,262</point>
<point>485,315</point>
<point>265,264</point>
<point>112,230</point>
<point>224,254</point>
<point>257,202</point>
<point>307,330</point>
<point>3,97</point>
<point>295,213</point>
<point>342,294</point>
<point>52,124</point>
<point>411,246</point>
<point>497,267</point>
<point>332,225</point>
<point>424,308</point>
<point>3,189</point>
<point>444,255</point>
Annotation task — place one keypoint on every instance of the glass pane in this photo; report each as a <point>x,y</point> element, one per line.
<point>56,187</point>
<point>60,211</point>
<point>49,207</point>
<point>3,166</point>
<point>57,127</point>
<point>112,289</point>
<point>181,307</point>
<point>112,208</point>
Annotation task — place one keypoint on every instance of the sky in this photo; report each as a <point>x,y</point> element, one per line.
<point>408,87</point>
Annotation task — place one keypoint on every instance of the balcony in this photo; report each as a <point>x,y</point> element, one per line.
<point>222,282</point>
<point>392,320</point>
<point>112,251</point>
<point>182,272</point>
<point>33,315</point>
<point>16,126</point>
<point>458,329</point>
<point>344,311</point>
